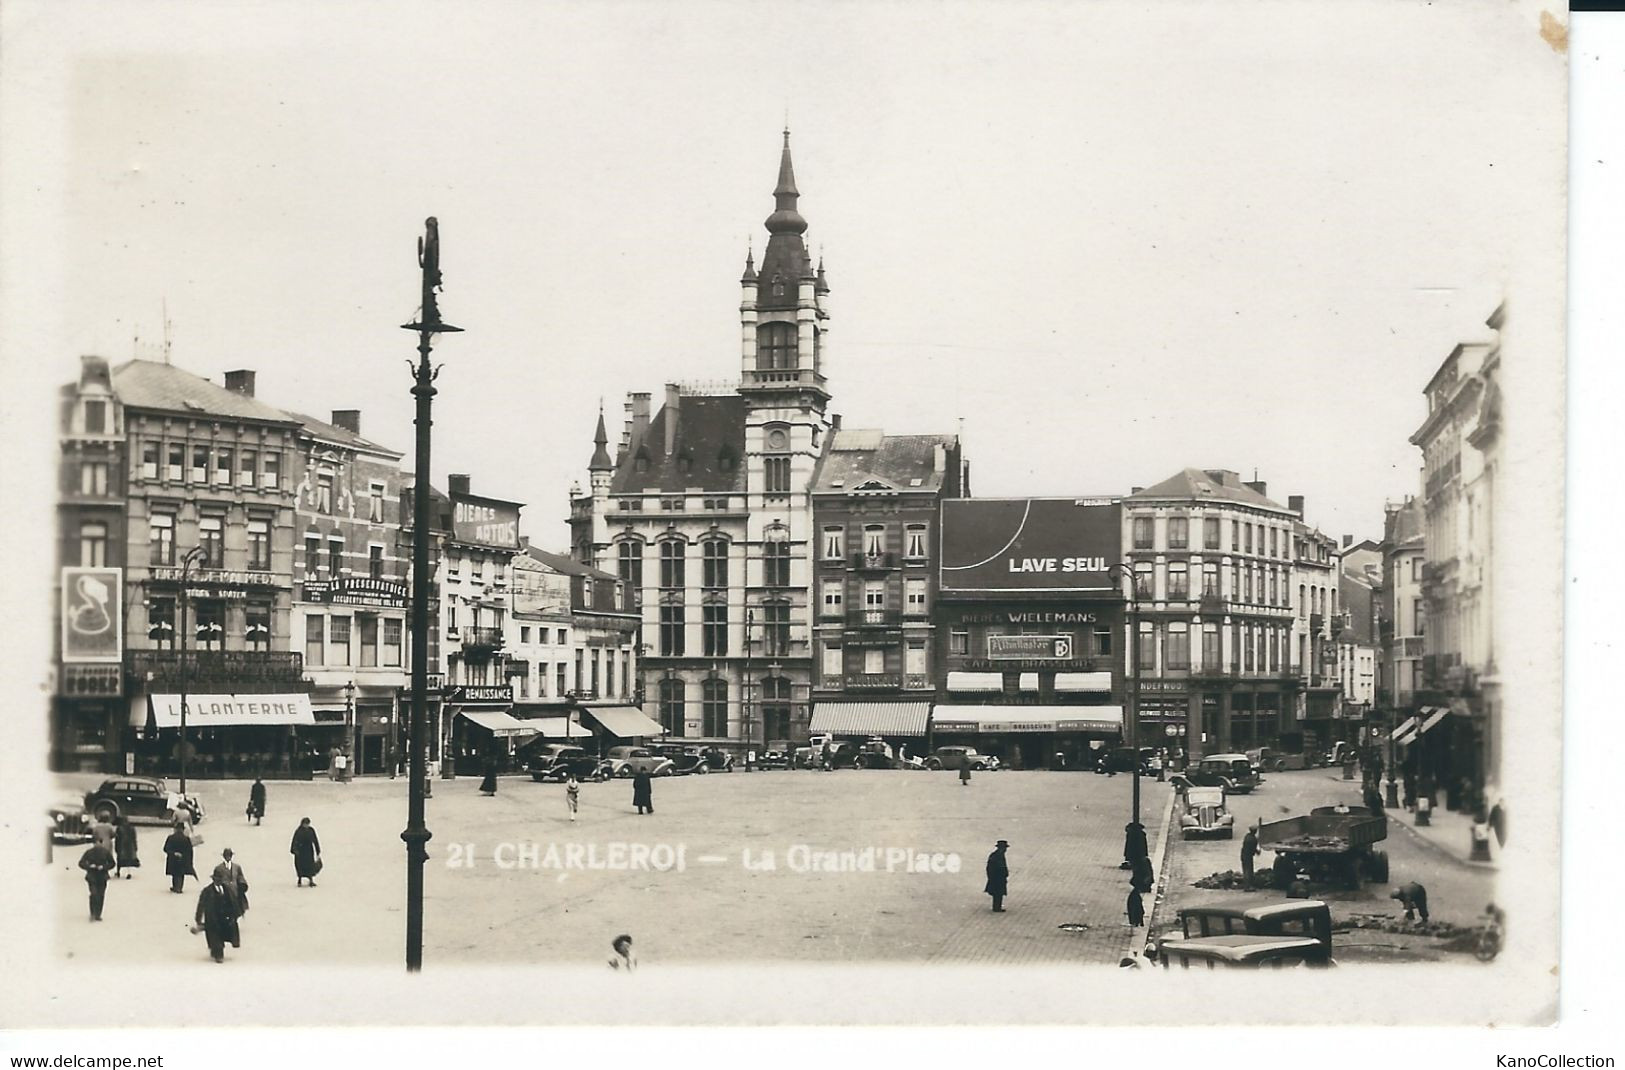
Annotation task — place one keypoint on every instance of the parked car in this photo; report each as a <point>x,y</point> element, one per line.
<point>954,757</point>
<point>1266,760</point>
<point>1341,753</point>
<point>1232,772</point>
<point>557,762</point>
<point>71,824</point>
<point>696,759</point>
<point>142,799</point>
<point>1240,950</point>
<point>1308,919</point>
<point>773,759</point>
<point>1203,813</point>
<point>1125,760</point>
<point>625,761</point>
<point>874,753</point>
<point>842,753</point>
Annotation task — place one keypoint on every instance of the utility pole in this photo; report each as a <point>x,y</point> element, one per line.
<point>417,835</point>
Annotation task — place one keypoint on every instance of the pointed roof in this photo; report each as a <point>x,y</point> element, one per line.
<point>1199,484</point>
<point>707,454</point>
<point>785,260</point>
<point>600,455</point>
<point>750,265</point>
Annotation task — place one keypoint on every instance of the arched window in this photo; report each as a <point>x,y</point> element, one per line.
<point>714,564</point>
<point>775,710</point>
<point>714,708</point>
<point>671,706</point>
<point>672,575</point>
<point>629,565</point>
<point>775,346</point>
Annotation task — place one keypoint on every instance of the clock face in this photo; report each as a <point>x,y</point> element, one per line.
<point>778,439</point>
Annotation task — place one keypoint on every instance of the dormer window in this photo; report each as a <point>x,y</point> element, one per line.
<point>726,460</point>
<point>685,462</point>
<point>641,462</point>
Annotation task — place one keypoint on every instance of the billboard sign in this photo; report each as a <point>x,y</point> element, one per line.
<point>92,614</point>
<point>485,522</point>
<point>1023,647</point>
<point>1015,545</point>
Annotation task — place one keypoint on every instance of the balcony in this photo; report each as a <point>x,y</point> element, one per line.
<point>874,562</point>
<point>779,378</point>
<point>230,671</point>
<point>481,644</point>
<point>873,618</point>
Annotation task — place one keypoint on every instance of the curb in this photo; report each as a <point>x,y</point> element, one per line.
<point>1159,855</point>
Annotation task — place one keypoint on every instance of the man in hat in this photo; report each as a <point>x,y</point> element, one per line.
<point>97,862</point>
<point>1414,898</point>
<point>998,876</point>
<point>230,874</point>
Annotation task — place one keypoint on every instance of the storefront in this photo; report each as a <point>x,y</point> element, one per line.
<point>88,734</point>
<point>902,725</point>
<point>480,728</point>
<point>620,725</point>
<point>235,736</point>
<point>1030,737</point>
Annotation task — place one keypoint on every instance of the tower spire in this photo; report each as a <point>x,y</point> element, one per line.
<point>600,455</point>
<point>785,219</point>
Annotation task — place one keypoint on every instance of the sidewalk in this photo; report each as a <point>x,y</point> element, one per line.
<point>1448,831</point>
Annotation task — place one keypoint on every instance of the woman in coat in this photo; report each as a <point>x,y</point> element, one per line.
<point>488,786</point>
<point>256,801</point>
<point>307,853</point>
<point>124,846</point>
<point>643,791</point>
<point>178,857</point>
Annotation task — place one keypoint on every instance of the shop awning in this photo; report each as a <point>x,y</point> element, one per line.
<point>556,728</point>
<point>983,682</point>
<point>1028,681</point>
<point>1404,729</point>
<point>1083,681</point>
<point>870,718</point>
<point>223,711</point>
<point>497,722</point>
<point>1028,718</point>
<point>1435,714</point>
<point>624,722</point>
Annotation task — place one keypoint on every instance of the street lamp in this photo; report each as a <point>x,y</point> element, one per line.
<point>416,834</point>
<point>196,555</point>
<point>349,727</point>
<point>1121,571</point>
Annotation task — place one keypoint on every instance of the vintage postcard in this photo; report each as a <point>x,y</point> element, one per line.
<point>902,513</point>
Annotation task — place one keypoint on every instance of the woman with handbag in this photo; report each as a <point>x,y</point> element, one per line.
<point>307,853</point>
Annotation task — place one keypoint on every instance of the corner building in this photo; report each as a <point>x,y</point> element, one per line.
<point>705,512</point>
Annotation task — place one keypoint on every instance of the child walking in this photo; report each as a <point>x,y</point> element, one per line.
<point>572,796</point>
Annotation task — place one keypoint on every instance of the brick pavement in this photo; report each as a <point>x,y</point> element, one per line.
<point>1065,831</point>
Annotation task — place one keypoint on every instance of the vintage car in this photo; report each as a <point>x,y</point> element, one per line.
<point>1266,760</point>
<point>1203,813</point>
<point>1240,950</point>
<point>1232,772</point>
<point>557,762</point>
<point>773,759</point>
<point>954,757</point>
<point>141,799</point>
<point>1299,919</point>
<point>627,761</point>
<point>874,753</point>
<point>1124,759</point>
<point>701,760</point>
<point>70,822</point>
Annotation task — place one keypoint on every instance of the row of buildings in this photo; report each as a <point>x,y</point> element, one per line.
<point>743,571</point>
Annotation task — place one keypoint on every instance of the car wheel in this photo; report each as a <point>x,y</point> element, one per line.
<point>622,773</point>
<point>934,765</point>
<point>106,811</point>
<point>702,769</point>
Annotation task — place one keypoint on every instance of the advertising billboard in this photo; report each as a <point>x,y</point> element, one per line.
<point>92,614</point>
<point>1011,545</point>
<point>485,522</point>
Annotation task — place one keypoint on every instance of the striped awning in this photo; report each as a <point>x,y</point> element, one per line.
<point>870,718</point>
<point>498,722</point>
<point>556,728</point>
<point>1083,681</point>
<point>984,682</point>
<point>1029,681</point>
<point>624,722</point>
<point>1027,718</point>
<point>1404,729</point>
<point>1435,714</point>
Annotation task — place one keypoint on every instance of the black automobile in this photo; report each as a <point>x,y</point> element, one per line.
<point>1125,760</point>
<point>773,759</point>
<point>70,823</point>
<point>557,762</point>
<point>141,799</point>
<point>686,760</point>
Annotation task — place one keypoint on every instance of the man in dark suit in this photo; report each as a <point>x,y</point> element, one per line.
<point>217,917</point>
<point>230,874</point>
<point>97,862</point>
<point>998,876</point>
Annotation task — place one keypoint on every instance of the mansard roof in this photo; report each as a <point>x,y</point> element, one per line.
<point>709,430</point>
<point>904,463</point>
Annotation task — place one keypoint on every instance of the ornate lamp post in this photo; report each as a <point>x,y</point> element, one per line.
<point>349,729</point>
<point>196,555</point>
<point>416,834</point>
<point>1131,671</point>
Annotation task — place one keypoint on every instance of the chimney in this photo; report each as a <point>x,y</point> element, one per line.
<point>626,430</point>
<point>674,399</point>
<point>640,415</point>
<point>457,483</point>
<point>1294,502</point>
<point>241,382</point>
<point>939,458</point>
<point>93,371</point>
<point>1348,540</point>
<point>349,419</point>
<point>1259,487</point>
<point>835,422</point>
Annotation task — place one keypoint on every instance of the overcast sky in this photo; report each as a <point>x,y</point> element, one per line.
<point>1114,240</point>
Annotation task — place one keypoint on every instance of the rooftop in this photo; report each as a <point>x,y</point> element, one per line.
<point>147,384</point>
<point>859,457</point>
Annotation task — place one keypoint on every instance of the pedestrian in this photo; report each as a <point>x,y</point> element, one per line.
<point>307,853</point>
<point>624,959</point>
<point>256,801</point>
<point>1136,908</point>
<point>572,795</point>
<point>124,846</point>
<point>341,767</point>
<point>488,786</point>
<point>1144,878</point>
<point>1414,898</point>
<point>964,771</point>
<point>102,832</point>
<point>643,792</point>
<point>229,873</point>
<point>1373,798</point>
<point>97,862</point>
<point>1134,844</point>
<point>178,857</point>
<point>1249,851</point>
<point>998,876</point>
<point>825,760</point>
<point>216,918</point>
